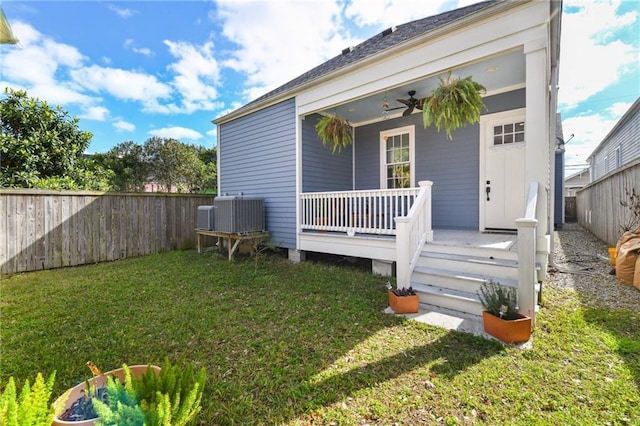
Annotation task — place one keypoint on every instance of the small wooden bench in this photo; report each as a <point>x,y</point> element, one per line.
<point>237,238</point>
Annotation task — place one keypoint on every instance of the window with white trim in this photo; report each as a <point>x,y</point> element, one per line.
<point>397,158</point>
<point>508,133</point>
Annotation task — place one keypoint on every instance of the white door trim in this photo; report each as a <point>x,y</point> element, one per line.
<point>486,120</point>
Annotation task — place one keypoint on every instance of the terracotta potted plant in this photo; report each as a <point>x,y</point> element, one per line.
<point>500,316</point>
<point>455,103</point>
<point>335,131</point>
<point>139,394</point>
<point>404,300</point>
<point>76,405</point>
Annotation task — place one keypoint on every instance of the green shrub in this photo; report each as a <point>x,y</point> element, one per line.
<point>31,407</point>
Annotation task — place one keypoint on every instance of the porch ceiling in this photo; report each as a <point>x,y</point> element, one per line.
<point>494,73</point>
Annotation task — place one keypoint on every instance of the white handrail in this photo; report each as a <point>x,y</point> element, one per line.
<point>412,232</point>
<point>362,212</point>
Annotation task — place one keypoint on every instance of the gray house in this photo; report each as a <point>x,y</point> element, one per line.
<point>621,146</point>
<point>448,214</point>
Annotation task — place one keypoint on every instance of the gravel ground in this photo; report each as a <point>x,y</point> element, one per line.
<point>581,262</point>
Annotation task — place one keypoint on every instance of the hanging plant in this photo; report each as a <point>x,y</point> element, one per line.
<point>454,103</point>
<point>335,131</point>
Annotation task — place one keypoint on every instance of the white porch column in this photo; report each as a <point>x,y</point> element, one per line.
<point>537,128</point>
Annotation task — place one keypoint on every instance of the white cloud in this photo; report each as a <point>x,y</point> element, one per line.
<point>123,126</point>
<point>124,85</point>
<point>176,133</point>
<point>278,41</point>
<point>390,12</point>
<point>197,75</point>
<point>97,113</point>
<point>591,60</point>
<point>122,12</point>
<point>130,44</point>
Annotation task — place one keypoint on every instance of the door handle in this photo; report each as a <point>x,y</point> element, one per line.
<point>487,189</point>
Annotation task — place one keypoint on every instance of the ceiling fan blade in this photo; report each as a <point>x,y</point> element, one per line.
<point>408,111</point>
<point>407,102</point>
<point>391,109</point>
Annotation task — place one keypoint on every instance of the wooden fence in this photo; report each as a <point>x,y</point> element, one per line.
<point>42,229</point>
<point>598,204</point>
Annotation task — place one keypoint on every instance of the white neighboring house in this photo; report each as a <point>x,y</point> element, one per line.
<point>620,147</point>
<point>576,181</point>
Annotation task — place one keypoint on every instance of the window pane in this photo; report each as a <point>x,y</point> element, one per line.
<point>497,140</point>
<point>405,140</point>
<point>405,154</point>
<point>520,126</point>
<point>508,128</point>
<point>519,137</point>
<point>497,130</point>
<point>508,138</point>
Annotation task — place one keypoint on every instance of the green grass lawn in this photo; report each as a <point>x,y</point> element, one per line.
<point>308,344</point>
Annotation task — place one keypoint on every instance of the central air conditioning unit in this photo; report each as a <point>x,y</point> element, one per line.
<point>206,218</point>
<point>237,214</point>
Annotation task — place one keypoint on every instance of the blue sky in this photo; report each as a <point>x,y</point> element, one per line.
<point>131,70</point>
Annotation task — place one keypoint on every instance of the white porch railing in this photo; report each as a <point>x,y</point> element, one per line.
<point>362,212</point>
<point>527,255</point>
<point>413,231</point>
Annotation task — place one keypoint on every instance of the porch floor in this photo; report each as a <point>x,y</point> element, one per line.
<point>469,238</point>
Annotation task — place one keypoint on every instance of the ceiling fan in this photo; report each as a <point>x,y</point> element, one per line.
<point>410,104</point>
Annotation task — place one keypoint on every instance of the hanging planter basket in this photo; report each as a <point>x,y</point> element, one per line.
<point>453,104</point>
<point>335,131</point>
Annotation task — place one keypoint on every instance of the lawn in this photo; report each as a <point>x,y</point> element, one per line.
<point>308,344</point>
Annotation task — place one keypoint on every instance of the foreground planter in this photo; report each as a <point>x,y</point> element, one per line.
<point>508,331</point>
<point>404,304</point>
<point>100,381</point>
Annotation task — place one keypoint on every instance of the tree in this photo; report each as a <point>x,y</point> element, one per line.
<point>41,146</point>
<point>129,164</point>
<point>176,164</point>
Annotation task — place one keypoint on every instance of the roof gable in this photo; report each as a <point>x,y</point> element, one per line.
<point>380,42</point>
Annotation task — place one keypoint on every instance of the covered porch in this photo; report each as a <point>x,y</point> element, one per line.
<point>446,266</point>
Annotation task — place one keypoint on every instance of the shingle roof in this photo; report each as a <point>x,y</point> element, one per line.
<point>375,45</point>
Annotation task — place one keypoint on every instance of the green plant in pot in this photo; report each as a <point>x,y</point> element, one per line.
<point>455,103</point>
<point>136,395</point>
<point>500,316</point>
<point>335,131</point>
<point>30,406</point>
<point>403,300</point>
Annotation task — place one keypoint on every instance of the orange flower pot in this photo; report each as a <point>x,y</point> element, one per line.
<point>100,381</point>
<point>508,331</point>
<point>404,304</point>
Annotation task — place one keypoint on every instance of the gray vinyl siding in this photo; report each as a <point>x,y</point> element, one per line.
<point>626,136</point>
<point>258,158</point>
<point>323,170</point>
<point>452,166</point>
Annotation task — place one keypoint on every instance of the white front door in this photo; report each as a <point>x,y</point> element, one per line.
<point>502,184</point>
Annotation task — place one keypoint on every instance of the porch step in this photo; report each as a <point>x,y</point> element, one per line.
<point>488,266</point>
<point>463,281</point>
<point>478,251</point>
<point>450,277</point>
<point>462,302</point>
